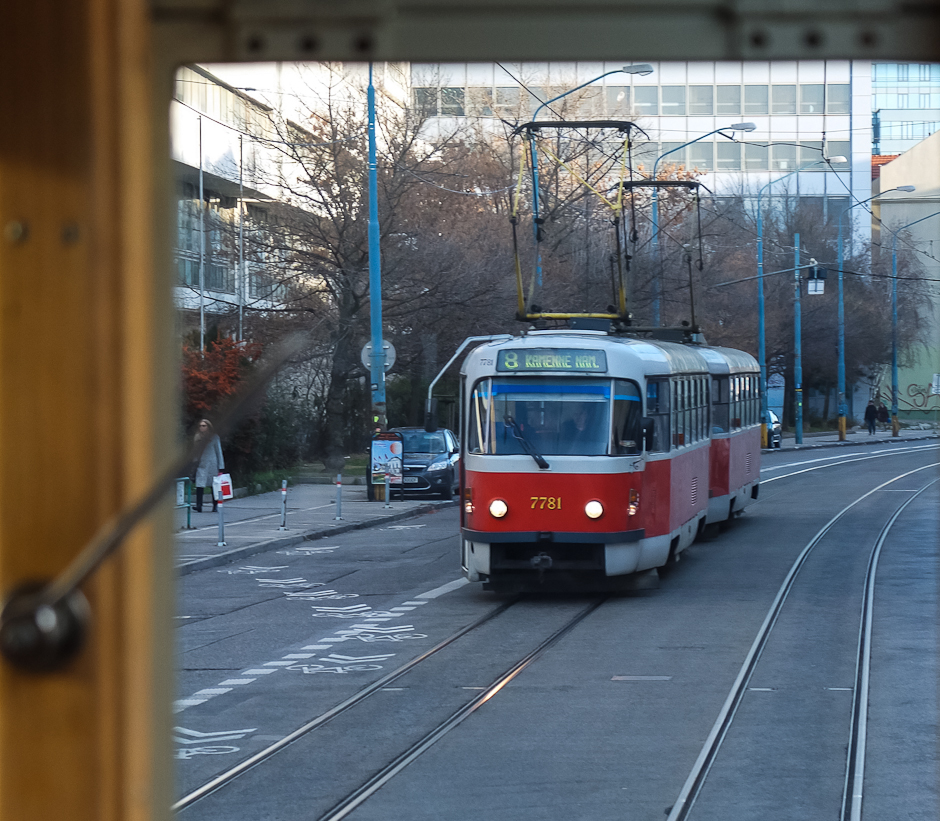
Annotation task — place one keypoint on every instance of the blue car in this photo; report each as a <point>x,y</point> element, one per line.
<point>430,462</point>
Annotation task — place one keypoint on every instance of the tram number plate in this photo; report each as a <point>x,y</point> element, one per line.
<point>546,502</point>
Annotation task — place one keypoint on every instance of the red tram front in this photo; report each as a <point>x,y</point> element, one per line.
<point>587,457</point>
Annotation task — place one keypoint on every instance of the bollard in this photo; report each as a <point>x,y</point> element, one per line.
<point>339,498</point>
<point>388,493</point>
<point>283,505</point>
<point>221,526</point>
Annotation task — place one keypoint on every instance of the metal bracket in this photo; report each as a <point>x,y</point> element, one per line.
<point>39,636</point>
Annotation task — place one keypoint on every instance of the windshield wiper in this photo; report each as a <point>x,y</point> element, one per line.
<point>526,444</point>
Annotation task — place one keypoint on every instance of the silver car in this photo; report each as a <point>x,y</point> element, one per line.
<point>773,429</point>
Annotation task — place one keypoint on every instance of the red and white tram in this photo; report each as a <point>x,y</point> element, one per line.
<point>588,457</point>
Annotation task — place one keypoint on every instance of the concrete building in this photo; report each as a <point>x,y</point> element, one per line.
<point>798,109</point>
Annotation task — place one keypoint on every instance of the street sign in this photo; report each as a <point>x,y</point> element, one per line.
<point>366,356</point>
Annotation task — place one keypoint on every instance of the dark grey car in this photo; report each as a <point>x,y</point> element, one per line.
<point>430,462</point>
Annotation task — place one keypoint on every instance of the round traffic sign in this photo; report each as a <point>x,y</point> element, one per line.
<point>366,356</point>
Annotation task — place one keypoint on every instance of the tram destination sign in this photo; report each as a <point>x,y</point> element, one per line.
<point>575,360</point>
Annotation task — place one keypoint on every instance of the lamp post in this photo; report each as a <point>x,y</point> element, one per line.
<point>655,208</point>
<point>761,344</point>
<point>895,427</point>
<point>375,274</point>
<point>843,405</point>
<point>641,69</point>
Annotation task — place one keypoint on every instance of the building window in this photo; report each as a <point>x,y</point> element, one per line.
<point>701,100</point>
<point>452,102</point>
<point>480,102</point>
<point>755,100</point>
<point>507,101</point>
<point>810,151</point>
<point>676,158</point>
<point>729,100</point>
<point>838,98</point>
<point>756,157</point>
<point>784,157</point>
<point>618,100</point>
<point>426,101</point>
<point>903,72</point>
<point>702,156</point>
<point>537,96</point>
<point>674,100</point>
<point>840,148</point>
<point>646,100</point>
<point>784,100</point>
<point>811,99</point>
<point>589,105</point>
<point>729,156</point>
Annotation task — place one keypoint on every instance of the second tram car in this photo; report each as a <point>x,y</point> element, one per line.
<point>588,457</point>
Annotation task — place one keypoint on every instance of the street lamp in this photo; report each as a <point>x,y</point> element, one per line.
<point>761,358</point>
<point>895,428</point>
<point>655,209</point>
<point>642,69</point>
<point>843,409</point>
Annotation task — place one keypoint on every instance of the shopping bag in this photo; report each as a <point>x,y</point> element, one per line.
<point>222,487</point>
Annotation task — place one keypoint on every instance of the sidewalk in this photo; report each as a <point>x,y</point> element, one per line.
<point>859,437</point>
<point>252,523</point>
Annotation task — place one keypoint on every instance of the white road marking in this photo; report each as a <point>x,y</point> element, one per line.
<point>212,691</point>
<point>258,672</point>
<point>642,678</point>
<point>183,703</point>
<point>277,663</point>
<point>234,681</point>
<point>444,588</point>
<point>298,656</point>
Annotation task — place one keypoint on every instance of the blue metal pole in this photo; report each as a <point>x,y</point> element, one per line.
<point>895,428</point>
<point>761,354</point>
<point>798,343</point>
<point>375,275</point>
<point>841,388</point>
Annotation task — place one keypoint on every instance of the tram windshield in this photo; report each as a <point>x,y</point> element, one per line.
<point>553,416</point>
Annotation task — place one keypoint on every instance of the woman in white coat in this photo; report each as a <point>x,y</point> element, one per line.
<point>210,463</point>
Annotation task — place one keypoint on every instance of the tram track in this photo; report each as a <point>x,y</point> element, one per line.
<point>359,795</point>
<point>855,762</point>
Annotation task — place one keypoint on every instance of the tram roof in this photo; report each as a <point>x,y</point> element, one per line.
<point>728,360</point>
<point>652,356</point>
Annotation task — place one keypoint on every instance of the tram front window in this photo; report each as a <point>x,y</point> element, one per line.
<point>555,416</point>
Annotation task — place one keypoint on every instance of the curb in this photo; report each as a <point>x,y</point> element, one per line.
<point>311,535</point>
<point>873,441</point>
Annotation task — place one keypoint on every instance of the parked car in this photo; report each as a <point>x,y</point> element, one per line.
<point>430,462</point>
<point>773,430</point>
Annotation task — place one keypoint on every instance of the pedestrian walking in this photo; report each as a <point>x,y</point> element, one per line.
<point>883,417</point>
<point>871,416</point>
<point>210,464</point>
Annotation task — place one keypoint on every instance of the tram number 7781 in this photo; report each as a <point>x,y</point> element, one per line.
<point>546,502</point>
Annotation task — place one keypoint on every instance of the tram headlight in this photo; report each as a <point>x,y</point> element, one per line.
<point>498,508</point>
<point>634,507</point>
<point>594,509</point>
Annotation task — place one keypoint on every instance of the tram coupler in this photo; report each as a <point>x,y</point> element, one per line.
<point>541,563</point>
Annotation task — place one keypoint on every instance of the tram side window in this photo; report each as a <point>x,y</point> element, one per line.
<point>720,404</point>
<point>628,411</point>
<point>657,409</point>
<point>736,402</point>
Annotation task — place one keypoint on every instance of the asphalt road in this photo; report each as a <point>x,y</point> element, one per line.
<point>608,721</point>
